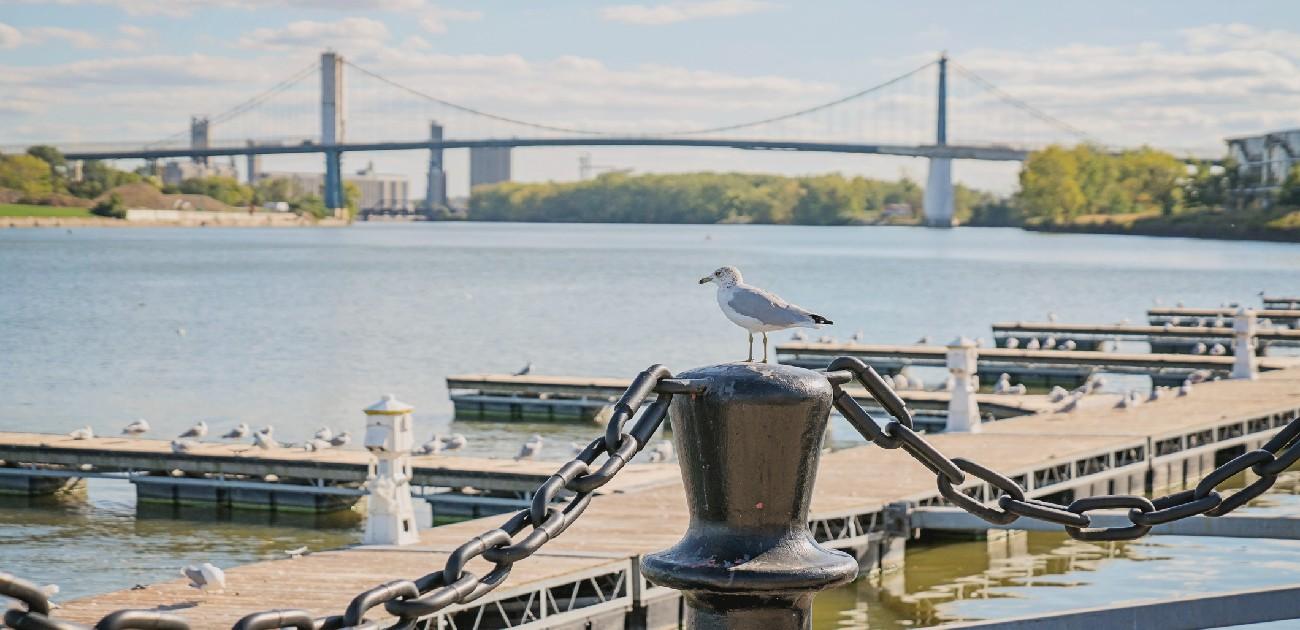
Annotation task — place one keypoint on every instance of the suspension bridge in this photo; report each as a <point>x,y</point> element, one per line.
<point>940,111</point>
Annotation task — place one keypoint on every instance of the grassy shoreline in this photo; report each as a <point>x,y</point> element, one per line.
<point>31,210</point>
<point>1274,224</point>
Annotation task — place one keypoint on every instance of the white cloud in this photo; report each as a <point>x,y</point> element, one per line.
<point>186,7</point>
<point>54,34</point>
<point>673,12</point>
<point>348,34</point>
<point>436,18</point>
<point>10,37</point>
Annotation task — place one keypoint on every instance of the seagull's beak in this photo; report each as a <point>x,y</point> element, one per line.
<point>706,279</point>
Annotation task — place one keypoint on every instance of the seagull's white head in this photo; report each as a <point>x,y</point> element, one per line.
<point>724,276</point>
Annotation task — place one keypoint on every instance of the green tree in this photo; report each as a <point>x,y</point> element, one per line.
<point>1049,184</point>
<point>54,158</point>
<point>351,199</point>
<point>98,178</point>
<point>112,207</point>
<point>1289,194</point>
<point>227,190</point>
<point>27,174</point>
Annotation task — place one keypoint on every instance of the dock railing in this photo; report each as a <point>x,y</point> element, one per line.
<point>748,435</point>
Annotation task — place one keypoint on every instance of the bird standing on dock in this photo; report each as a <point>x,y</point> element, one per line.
<point>455,442</point>
<point>199,430</point>
<point>923,341</point>
<point>1033,344</point>
<point>756,310</point>
<point>857,337</point>
<point>240,432</point>
<point>1057,394</point>
<point>1200,348</point>
<point>183,446</point>
<point>263,439</point>
<point>531,448</point>
<point>1051,317</point>
<point>526,370</point>
<point>1003,384</point>
<point>205,577</point>
<point>1217,350</point>
<point>1185,389</point>
<point>324,433</point>
<point>138,427</point>
<point>84,433</point>
<point>798,336</point>
<point>432,447</point>
<point>1071,405</point>
<point>1049,343</point>
<point>316,444</point>
<point>1012,343</point>
<point>1068,345</point>
<point>341,439</point>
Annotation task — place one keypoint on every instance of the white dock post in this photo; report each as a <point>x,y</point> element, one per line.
<point>963,410</point>
<point>1243,326</point>
<point>390,518</point>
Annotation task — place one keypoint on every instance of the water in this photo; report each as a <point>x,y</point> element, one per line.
<point>303,327</point>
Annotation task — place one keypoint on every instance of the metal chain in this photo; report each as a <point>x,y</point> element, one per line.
<point>408,600</point>
<point>1268,461</point>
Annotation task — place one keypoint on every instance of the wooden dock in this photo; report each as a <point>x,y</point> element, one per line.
<point>506,397</point>
<point>1068,368</point>
<point>1180,316</point>
<point>589,574</point>
<point>1163,338</point>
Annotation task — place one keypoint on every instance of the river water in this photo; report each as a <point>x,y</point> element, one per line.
<point>304,327</point>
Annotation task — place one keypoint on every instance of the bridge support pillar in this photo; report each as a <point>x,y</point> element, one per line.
<point>333,194</point>
<point>939,194</point>
<point>963,410</point>
<point>1243,327</point>
<point>390,517</point>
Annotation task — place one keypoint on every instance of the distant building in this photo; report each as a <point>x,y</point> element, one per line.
<point>488,165</point>
<point>1263,161</point>
<point>379,191</point>
<point>173,173</point>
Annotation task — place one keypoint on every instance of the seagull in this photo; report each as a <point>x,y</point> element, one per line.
<point>183,446</point>
<point>1199,376</point>
<point>1069,344</point>
<point>1049,343</point>
<point>1057,394</point>
<point>900,382</point>
<point>268,429</point>
<point>1218,350</point>
<point>798,336</point>
<point>1071,405</point>
<point>180,332</point>
<point>662,451</point>
<point>84,433</point>
<point>821,339</point>
<point>531,448</point>
<point>1199,348</point>
<point>456,442</point>
<point>432,447</point>
<point>923,341</point>
<point>1051,317</point>
<point>238,433</point>
<point>205,576</point>
<point>1012,343</point>
<point>857,336</point>
<point>526,370</point>
<point>199,430</point>
<point>324,433</point>
<point>137,427</point>
<point>756,310</point>
<point>316,444</point>
<point>1156,393</point>
<point>1033,344</point>
<point>263,439</point>
<point>1185,389</point>
<point>341,439</point>
<point>1003,384</point>
<point>296,553</point>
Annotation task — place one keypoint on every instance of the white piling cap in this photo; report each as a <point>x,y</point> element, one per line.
<point>389,406</point>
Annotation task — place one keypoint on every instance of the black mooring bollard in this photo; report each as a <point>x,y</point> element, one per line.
<point>748,448</point>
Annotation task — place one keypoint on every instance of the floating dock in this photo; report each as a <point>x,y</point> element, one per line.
<point>1289,316</point>
<point>506,397</point>
<point>1281,302</point>
<point>1168,339</point>
<point>287,479</point>
<point>1037,368</point>
<point>589,576</point>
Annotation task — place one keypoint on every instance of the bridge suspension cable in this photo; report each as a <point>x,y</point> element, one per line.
<point>1022,105</point>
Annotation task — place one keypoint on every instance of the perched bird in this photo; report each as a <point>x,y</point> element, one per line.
<point>296,553</point>
<point>183,446</point>
<point>205,577</point>
<point>1049,343</point>
<point>662,452</point>
<point>1071,405</point>
<point>199,430</point>
<point>1218,350</point>
<point>821,339</point>
<point>432,447</point>
<point>455,442</point>
<point>341,439</point>
<point>756,310</point>
<point>1156,393</point>
<point>1069,344</point>
<point>531,448</point>
<point>316,444</point>
<point>901,382</point>
<point>1199,376</point>
<point>137,428</point>
<point>263,439</point>
<point>1057,394</point>
<point>857,336</point>
<point>524,371</point>
<point>1200,348</point>
<point>324,433</point>
<point>1012,343</point>
<point>180,332</point>
<point>798,336</point>
<point>1051,317</point>
<point>240,432</point>
<point>1003,384</point>
<point>1185,389</point>
<point>923,341</point>
<point>84,433</point>
<point>1033,344</point>
<point>1018,389</point>
<point>1096,382</point>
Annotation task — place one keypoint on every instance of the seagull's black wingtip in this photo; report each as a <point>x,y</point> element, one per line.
<point>821,320</point>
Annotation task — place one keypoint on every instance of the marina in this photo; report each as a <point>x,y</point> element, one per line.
<point>1164,339</point>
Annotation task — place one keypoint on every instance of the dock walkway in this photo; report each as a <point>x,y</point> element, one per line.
<point>1095,450</point>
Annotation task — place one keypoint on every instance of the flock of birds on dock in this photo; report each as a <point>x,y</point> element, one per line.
<point>263,438</point>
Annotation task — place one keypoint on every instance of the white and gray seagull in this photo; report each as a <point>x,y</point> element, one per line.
<point>205,577</point>
<point>238,433</point>
<point>756,310</point>
<point>199,430</point>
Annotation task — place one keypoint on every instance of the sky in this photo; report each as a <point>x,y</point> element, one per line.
<point>1180,76</point>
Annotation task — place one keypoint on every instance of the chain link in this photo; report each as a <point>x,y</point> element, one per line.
<point>1268,461</point>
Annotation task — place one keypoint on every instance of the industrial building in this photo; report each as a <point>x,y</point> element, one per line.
<point>379,191</point>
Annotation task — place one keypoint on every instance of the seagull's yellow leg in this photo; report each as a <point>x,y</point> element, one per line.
<point>751,348</point>
<point>765,347</point>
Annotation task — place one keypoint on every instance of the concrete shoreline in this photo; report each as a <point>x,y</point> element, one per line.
<point>219,219</point>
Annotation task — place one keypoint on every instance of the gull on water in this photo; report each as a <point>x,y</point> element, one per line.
<point>238,433</point>
<point>324,433</point>
<point>205,577</point>
<point>531,448</point>
<point>341,439</point>
<point>456,442</point>
<point>756,310</point>
<point>199,430</point>
<point>524,371</point>
<point>84,433</point>
<point>136,428</point>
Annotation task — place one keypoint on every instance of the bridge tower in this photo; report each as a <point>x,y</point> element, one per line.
<point>333,124</point>
<point>435,195</point>
<point>199,136</point>
<point>938,186</point>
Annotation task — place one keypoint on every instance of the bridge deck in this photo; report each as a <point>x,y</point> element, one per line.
<point>622,525</point>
